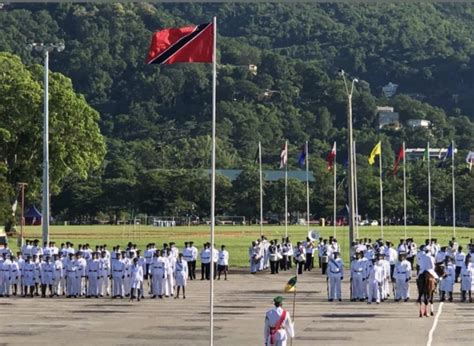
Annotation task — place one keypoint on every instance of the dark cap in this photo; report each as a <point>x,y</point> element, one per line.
<point>278,299</point>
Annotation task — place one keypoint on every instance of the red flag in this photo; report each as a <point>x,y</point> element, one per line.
<point>399,158</point>
<point>331,157</point>
<point>188,44</point>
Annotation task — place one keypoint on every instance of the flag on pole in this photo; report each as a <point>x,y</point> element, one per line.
<point>284,156</point>
<point>470,159</point>
<point>291,284</point>
<point>400,156</point>
<point>331,156</point>
<point>377,150</point>
<point>302,156</point>
<point>449,154</point>
<point>192,43</point>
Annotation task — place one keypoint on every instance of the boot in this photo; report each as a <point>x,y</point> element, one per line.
<point>443,296</point>
<point>451,297</point>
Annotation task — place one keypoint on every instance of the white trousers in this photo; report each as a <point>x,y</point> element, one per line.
<point>118,286</point>
<point>334,287</point>
<point>374,291</point>
<point>158,287</point>
<point>401,289</point>
<point>358,291</point>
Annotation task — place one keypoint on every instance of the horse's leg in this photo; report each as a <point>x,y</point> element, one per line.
<point>425,300</point>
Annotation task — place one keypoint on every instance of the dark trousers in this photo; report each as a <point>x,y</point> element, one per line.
<point>284,263</point>
<point>288,261</point>
<point>274,267</point>
<point>324,267</point>
<point>309,260</point>
<point>192,270</point>
<point>319,261</point>
<point>215,270</point>
<point>458,273</point>
<point>392,269</point>
<point>206,271</point>
<point>300,267</point>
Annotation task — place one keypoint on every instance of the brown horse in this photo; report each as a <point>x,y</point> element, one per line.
<point>426,284</point>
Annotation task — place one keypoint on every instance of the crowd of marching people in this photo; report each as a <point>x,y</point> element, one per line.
<point>280,256</point>
<point>378,269</point>
<point>66,271</point>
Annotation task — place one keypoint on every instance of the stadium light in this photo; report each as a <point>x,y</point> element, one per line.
<point>45,49</point>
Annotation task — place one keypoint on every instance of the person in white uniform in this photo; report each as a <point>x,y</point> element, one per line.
<point>402,276</point>
<point>181,275</point>
<point>223,262</point>
<point>447,282</point>
<point>358,275</point>
<point>335,275</point>
<point>158,272</point>
<point>278,326</point>
<point>136,279</point>
<point>376,276</point>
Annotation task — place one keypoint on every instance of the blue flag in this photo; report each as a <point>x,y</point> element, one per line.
<point>449,152</point>
<point>302,157</point>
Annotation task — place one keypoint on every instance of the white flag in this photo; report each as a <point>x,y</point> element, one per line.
<point>284,155</point>
<point>470,159</point>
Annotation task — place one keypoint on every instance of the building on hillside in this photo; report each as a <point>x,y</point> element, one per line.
<point>388,118</point>
<point>268,175</point>
<point>419,123</point>
<point>418,153</point>
<point>253,69</point>
<point>390,89</point>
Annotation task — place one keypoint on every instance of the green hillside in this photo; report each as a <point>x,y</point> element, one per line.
<point>156,120</point>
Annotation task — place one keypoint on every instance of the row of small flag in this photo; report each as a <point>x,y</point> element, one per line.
<point>376,151</point>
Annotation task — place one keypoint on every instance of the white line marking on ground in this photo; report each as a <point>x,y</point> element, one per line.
<point>435,323</point>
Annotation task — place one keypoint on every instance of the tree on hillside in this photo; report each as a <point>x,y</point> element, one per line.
<point>76,145</point>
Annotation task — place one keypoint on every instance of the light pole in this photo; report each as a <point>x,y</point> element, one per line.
<point>350,151</point>
<point>45,49</point>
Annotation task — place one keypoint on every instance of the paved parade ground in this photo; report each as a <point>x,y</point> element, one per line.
<point>240,306</point>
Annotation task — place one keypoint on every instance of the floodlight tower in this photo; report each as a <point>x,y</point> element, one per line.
<point>45,49</point>
<point>350,150</point>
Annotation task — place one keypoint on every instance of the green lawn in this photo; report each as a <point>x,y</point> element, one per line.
<point>236,238</point>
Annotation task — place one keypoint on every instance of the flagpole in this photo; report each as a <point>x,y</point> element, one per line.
<point>454,189</point>
<point>294,303</point>
<point>307,184</point>
<point>404,192</point>
<point>356,222</point>
<point>286,189</point>
<point>429,193</point>
<point>261,186</point>
<point>335,191</point>
<point>381,192</point>
<point>213,183</point>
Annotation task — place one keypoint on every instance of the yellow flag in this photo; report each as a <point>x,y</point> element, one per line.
<point>376,151</point>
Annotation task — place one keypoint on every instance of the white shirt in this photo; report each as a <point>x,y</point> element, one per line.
<point>287,329</point>
<point>459,259</point>
<point>223,258</point>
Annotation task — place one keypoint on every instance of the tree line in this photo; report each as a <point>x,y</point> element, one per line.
<point>154,121</point>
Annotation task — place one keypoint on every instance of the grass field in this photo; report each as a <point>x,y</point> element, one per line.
<point>236,238</point>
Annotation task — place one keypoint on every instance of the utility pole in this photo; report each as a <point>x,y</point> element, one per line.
<point>21,239</point>
<point>45,49</point>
